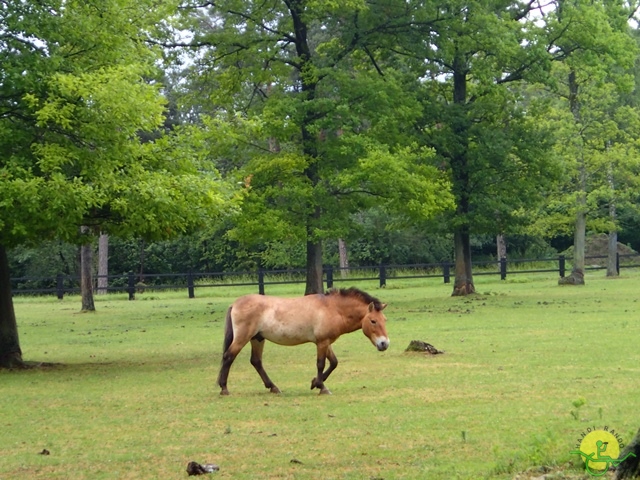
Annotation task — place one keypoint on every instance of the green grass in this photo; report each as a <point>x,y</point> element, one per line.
<point>528,367</point>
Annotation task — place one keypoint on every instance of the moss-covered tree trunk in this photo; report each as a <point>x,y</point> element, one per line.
<point>10,353</point>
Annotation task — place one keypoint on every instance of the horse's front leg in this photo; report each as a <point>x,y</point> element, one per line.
<point>318,381</point>
<point>333,363</point>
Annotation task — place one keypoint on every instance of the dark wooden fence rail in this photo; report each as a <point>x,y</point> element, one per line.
<point>65,284</point>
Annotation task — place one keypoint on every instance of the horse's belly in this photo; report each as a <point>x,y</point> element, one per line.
<point>287,334</point>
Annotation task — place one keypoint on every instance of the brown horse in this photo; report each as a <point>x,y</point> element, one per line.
<point>320,319</point>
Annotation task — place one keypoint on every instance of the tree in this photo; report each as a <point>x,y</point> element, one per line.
<point>593,42</point>
<point>306,74</point>
<point>476,56</point>
<point>74,96</point>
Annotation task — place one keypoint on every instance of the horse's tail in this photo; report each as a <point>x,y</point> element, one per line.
<point>228,332</point>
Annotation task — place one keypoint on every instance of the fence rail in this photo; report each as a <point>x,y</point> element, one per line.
<point>61,285</point>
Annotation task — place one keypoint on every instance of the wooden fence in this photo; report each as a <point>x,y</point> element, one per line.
<point>130,282</point>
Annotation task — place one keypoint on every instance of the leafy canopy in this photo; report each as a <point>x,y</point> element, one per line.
<point>76,93</point>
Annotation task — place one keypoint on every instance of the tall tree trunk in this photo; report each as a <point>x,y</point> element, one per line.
<point>86,277</point>
<point>579,242</point>
<point>314,268</point>
<point>579,236</point>
<point>344,258</point>
<point>141,272</point>
<point>502,246</point>
<point>309,136</point>
<point>612,254</point>
<point>10,352</point>
<point>630,466</point>
<point>612,250</point>
<point>463,284</point>
<point>103,264</point>
<point>314,259</point>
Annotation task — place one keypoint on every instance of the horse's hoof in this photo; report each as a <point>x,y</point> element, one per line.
<point>314,383</point>
<point>325,391</point>
<point>275,389</point>
<point>224,391</point>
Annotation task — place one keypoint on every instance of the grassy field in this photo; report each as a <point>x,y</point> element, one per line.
<point>528,367</point>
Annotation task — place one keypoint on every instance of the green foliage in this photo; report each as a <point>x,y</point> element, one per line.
<point>53,257</point>
<point>75,100</point>
<point>315,131</point>
<point>377,239</point>
<point>478,116</point>
<point>315,114</point>
<point>593,124</point>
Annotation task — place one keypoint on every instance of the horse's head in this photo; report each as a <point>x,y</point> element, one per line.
<point>374,327</point>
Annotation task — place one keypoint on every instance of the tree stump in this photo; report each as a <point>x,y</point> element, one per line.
<point>194,468</point>
<point>420,346</point>
<point>630,468</point>
<point>576,278</point>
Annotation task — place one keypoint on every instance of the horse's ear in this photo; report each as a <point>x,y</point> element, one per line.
<point>384,305</point>
<point>371,307</point>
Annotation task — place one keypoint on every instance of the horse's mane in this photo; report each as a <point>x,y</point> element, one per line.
<point>354,292</point>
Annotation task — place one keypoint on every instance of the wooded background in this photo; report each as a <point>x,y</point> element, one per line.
<point>240,134</point>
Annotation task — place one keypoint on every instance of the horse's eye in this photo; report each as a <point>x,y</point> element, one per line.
<point>373,322</point>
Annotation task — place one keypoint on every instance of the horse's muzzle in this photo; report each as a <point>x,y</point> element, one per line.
<point>382,344</point>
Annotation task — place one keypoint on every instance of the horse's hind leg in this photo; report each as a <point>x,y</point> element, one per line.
<point>227,360</point>
<point>257,346</point>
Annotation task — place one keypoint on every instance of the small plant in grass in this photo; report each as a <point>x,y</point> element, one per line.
<point>539,453</point>
<point>577,404</point>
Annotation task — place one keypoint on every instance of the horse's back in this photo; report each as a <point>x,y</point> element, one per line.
<point>286,321</point>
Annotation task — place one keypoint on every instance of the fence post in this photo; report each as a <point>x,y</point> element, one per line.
<point>190,285</point>
<point>618,262</point>
<point>261,281</point>
<point>329,270</point>
<point>503,268</point>
<point>446,273</point>
<point>131,288</point>
<point>561,265</point>
<point>383,276</point>
<point>60,286</point>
